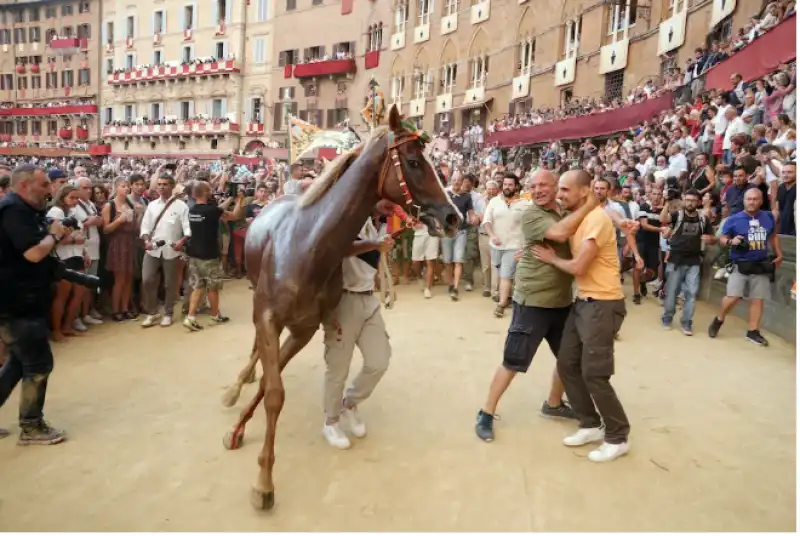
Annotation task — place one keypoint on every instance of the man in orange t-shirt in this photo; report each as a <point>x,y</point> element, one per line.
<point>586,355</point>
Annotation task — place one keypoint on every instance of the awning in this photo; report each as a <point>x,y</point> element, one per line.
<point>474,104</point>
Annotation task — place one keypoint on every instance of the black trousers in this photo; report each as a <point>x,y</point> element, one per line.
<point>30,361</point>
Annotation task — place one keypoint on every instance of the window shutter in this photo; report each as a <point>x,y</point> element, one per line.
<point>164,21</point>
<point>294,105</point>
<point>305,54</point>
<point>182,18</point>
<point>105,32</point>
<point>295,59</point>
<point>511,108</point>
<point>277,112</point>
<point>153,23</point>
<point>331,118</point>
<point>215,14</point>
<point>224,108</point>
<point>228,9</point>
<point>436,121</point>
<point>281,59</point>
<point>352,48</point>
<point>322,51</point>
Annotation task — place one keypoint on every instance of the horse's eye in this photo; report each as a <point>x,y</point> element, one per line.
<point>413,163</point>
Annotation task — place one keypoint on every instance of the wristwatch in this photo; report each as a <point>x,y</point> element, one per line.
<point>57,239</point>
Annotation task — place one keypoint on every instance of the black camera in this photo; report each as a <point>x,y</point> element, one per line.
<point>171,167</point>
<point>250,191</point>
<point>69,222</point>
<point>75,277</point>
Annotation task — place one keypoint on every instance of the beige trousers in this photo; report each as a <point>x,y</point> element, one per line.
<point>356,321</point>
<point>491,280</point>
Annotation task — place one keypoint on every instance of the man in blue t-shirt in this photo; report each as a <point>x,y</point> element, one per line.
<point>749,233</point>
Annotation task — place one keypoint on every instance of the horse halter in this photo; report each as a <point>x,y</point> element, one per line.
<point>394,158</point>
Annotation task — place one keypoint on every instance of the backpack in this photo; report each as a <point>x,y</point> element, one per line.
<point>679,221</point>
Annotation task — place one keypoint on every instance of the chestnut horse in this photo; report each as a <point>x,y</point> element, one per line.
<point>294,251</point>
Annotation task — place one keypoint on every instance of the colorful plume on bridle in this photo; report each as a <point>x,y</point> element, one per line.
<point>421,135</point>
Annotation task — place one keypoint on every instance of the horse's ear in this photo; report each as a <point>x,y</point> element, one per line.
<point>394,118</point>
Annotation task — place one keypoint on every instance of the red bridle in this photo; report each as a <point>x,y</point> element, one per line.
<point>394,158</point>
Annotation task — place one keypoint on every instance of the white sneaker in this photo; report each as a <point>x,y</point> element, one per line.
<point>607,452</point>
<point>94,314</point>
<point>335,437</point>
<point>166,321</point>
<point>584,436</point>
<point>89,320</point>
<point>720,274</point>
<point>150,320</point>
<point>468,287</point>
<point>427,293</point>
<point>79,326</point>
<point>354,422</point>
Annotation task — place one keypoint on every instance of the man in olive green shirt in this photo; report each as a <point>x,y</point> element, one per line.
<point>541,302</point>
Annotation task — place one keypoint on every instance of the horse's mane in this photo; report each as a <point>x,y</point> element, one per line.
<point>336,169</point>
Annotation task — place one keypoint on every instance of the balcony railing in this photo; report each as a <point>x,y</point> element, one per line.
<point>196,127</point>
<point>76,109</point>
<point>164,72</point>
<point>324,68</point>
<point>587,126</point>
<point>255,129</point>
<point>69,42</point>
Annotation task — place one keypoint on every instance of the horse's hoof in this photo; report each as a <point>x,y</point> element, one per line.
<point>233,439</point>
<point>262,500</point>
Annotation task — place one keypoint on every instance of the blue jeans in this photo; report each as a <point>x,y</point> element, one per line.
<point>686,278</point>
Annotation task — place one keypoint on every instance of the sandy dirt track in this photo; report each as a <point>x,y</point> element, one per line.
<point>713,435</point>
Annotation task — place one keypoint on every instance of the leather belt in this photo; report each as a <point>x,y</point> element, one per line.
<point>360,292</point>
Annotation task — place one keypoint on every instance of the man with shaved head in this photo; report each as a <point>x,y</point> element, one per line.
<point>586,354</point>
<point>541,302</point>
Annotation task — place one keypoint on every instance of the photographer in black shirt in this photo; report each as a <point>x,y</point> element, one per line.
<point>205,267</point>
<point>27,271</point>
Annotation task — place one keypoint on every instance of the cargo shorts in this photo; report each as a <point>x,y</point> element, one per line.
<point>205,274</point>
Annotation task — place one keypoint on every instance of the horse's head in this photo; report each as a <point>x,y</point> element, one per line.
<point>409,179</point>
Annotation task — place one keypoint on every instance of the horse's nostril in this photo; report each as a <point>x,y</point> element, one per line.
<point>451,219</point>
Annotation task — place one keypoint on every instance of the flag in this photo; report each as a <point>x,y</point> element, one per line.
<point>305,139</point>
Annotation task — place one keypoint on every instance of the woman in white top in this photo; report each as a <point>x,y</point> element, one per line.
<point>70,250</point>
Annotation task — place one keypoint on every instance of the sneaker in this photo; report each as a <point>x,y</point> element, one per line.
<point>496,298</point>
<point>584,436</point>
<point>755,337</point>
<point>96,315</point>
<point>453,293</point>
<point>499,311</point>
<point>353,421</point>
<point>487,294</point>
<point>666,325</point>
<point>192,324</point>
<point>166,321</point>
<point>131,315</point>
<point>655,284</point>
<point>637,299</point>
<point>720,274</point>
<point>150,320</point>
<point>427,293</point>
<point>79,326</point>
<point>120,317</point>
<point>40,433</point>
<point>608,451</point>
<point>220,318</point>
<point>643,289</point>
<point>4,433</point>
<point>713,329</point>
<point>468,287</point>
<point>89,320</point>
<point>335,437</point>
<point>484,426</point>
<point>687,330</point>
<point>561,411</point>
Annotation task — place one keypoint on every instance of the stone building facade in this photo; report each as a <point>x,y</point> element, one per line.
<point>49,77</point>
<point>185,77</point>
<point>459,62</point>
<point>327,52</point>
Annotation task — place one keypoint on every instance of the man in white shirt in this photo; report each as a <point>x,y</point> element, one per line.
<point>736,125</point>
<point>646,162</point>
<point>86,213</point>
<point>356,321</point>
<point>164,236</point>
<point>677,162</point>
<point>503,223</point>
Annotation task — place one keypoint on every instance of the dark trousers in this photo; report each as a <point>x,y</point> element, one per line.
<point>586,364</point>
<point>29,360</point>
<point>472,257</point>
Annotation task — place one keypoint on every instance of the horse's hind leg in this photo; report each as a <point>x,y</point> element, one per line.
<point>247,375</point>
<point>290,347</point>
<point>268,336</point>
